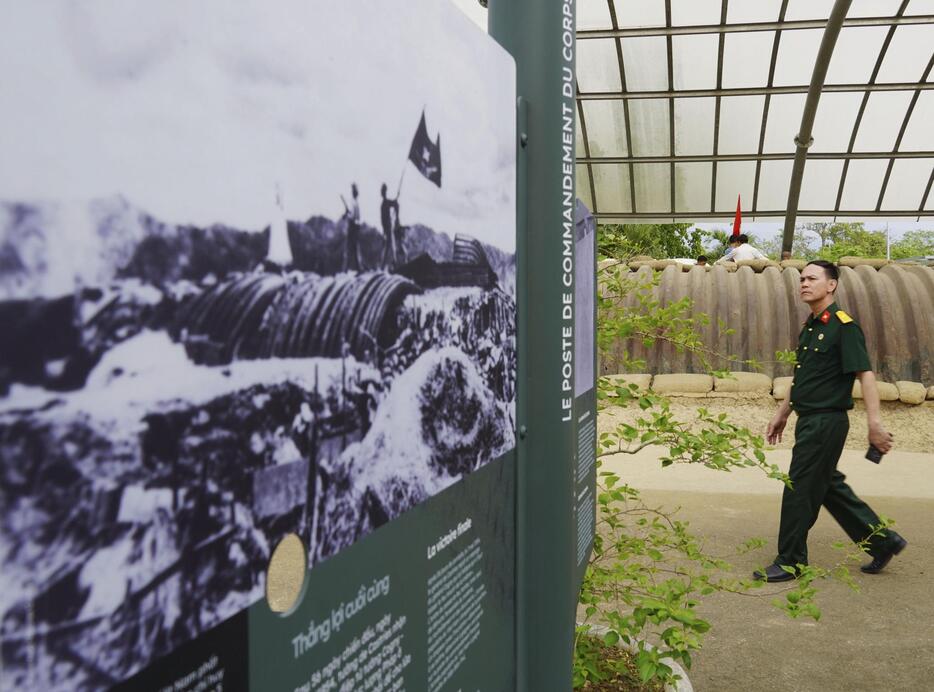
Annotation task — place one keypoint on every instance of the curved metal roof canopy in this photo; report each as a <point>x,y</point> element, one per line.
<point>683,104</point>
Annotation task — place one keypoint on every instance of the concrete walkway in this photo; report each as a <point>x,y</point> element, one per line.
<point>881,638</point>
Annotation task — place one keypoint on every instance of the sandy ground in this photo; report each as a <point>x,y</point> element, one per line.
<point>881,638</point>
<point>912,426</point>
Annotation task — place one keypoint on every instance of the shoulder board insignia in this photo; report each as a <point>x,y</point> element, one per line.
<point>843,317</point>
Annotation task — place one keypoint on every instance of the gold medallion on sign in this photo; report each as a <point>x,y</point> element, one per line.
<point>285,576</point>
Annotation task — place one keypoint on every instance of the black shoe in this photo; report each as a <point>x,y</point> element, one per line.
<point>772,574</point>
<point>896,545</point>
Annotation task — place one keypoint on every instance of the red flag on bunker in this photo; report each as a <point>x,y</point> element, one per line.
<point>737,222</point>
<point>425,154</point>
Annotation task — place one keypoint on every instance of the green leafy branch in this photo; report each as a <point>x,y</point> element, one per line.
<point>710,440</point>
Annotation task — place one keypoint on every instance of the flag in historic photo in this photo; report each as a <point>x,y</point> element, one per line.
<point>425,154</point>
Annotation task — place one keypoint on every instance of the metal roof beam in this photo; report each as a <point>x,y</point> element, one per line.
<point>803,140</point>
<point>671,109</point>
<point>723,28</point>
<point>780,156</point>
<point>865,100</point>
<point>727,215</point>
<point>724,8</point>
<point>776,42</point>
<point>580,115</point>
<point>901,132</point>
<point>927,191</point>
<point>748,91</point>
<point>622,80</point>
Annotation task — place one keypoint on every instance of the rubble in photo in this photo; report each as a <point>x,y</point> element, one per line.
<point>181,400</point>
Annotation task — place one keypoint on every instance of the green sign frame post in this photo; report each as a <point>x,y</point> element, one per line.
<point>540,36</point>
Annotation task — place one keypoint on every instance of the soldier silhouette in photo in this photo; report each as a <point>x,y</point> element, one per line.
<point>389,218</point>
<point>352,245</point>
<point>398,234</point>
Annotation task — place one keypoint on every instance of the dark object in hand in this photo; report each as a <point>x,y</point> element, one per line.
<point>873,454</point>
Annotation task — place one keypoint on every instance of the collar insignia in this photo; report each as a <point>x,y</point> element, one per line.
<point>825,316</point>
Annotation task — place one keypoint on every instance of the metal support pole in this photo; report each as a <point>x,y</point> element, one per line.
<point>540,36</point>
<point>804,138</point>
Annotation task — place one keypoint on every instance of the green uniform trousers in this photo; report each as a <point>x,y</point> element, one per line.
<point>819,439</point>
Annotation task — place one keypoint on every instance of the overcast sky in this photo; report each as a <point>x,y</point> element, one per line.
<point>195,111</point>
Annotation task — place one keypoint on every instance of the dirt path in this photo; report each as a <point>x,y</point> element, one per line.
<point>879,639</point>
<point>912,426</point>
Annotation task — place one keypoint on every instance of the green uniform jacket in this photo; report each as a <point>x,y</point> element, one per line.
<point>831,350</point>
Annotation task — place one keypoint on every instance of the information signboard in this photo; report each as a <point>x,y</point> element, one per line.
<point>258,297</point>
<point>585,383</point>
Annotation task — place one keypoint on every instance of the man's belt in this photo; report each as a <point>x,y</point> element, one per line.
<point>820,410</point>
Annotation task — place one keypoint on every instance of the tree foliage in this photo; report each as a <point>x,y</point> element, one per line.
<point>830,233</point>
<point>914,244</point>
<point>853,240</point>
<point>831,241</point>
<point>802,246</point>
<point>661,241</point>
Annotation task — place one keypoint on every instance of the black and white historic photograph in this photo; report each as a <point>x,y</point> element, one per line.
<point>257,276</point>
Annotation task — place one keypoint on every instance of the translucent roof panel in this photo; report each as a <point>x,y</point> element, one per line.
<point>740,118</point>
<point>784,122</point>
<point>815,192</point>
<point>746,58</point>
<point>907,181</point>
<point>613,188</point>
<point>918,133</point>
<point>639,13</point>
<point>920,7</point>
<point>909,53</point>
<point>583,186</point>
<point>593,15</point>
<point>692,186</point>
<point>759,11</point>
<point>653,187</point>
<point>796,55</point>
<point>578,134</point>
<point>833,125</point>
<point>882,120</point>
<point>694,120</point>
<point>597,66</point>
<point>649,127</point>
<point>881,8</point>
<point>695,59</point>
<point>696,12</point>
<point>646,62</point>
<point>609,118</point>
<point>735,178</point>
<point>773,185</point>
<point>863,182</point>
<point>808,9</point>
<point>855,54</point>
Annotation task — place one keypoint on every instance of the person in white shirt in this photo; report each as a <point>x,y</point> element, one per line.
<point>740,249</point>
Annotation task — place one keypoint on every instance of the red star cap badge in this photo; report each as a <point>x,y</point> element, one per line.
<point>825,316</point>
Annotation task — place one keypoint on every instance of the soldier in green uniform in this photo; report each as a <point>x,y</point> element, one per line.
<point>831,354</point>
